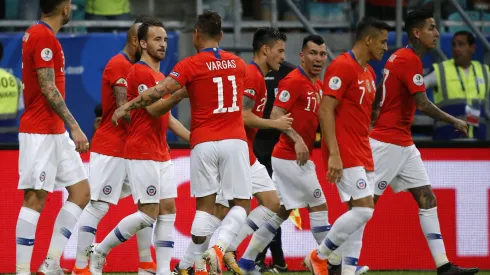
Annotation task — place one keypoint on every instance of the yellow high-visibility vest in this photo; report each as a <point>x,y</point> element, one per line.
<point>9,95</point>
<point>455,89</point>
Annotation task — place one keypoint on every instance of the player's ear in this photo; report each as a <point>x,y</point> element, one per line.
<point>220,36</point>
<point>143,44</point>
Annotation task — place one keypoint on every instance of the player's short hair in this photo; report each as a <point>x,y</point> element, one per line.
<point>143,29</point>
<point>142,19</point>
<point>416,19</point>
<point>366,26</point>
<point>209,23</point>
<point>48,6</point>
<point>267,36</point>
<point>470,38</point>
<point>313,38</point>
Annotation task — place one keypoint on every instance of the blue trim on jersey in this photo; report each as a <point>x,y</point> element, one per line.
<point>303,72</point>
<point>164,244</point>
<point>252,225</point>
<point>350,261</point>
<point>433,236</point>
<point>256,65</point>
<point>119,235</point>
<point>214,50</point>
<point>411,48</point>
<point>318,229</point>
<point>45,24</point>
<point>65,232</point>
<point>271,228</point>
<point>330,245</point>
<point>142,63</point>
<point>88,229</point>
<point>24,241</point>
<point>126,56</point>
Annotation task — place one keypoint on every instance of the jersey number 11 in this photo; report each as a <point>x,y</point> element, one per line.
<point>221,109</point>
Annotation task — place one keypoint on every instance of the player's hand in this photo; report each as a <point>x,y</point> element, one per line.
<point>461,126</point>
<point>81,141</point>
<point>302,152</point>
<point>118,114</point>
<point>284,122</point>
<point>334,169</point>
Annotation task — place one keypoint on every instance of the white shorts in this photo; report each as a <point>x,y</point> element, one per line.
<point>151,181</point>
<point>356,183</point>
<point>221,167</point>
<point>297,186</point>
<point>108,178</point>
<point>47,162</point>
<point>400,167</point>
<point>261,181</point>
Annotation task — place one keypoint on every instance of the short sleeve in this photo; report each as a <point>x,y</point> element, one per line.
<point>412,75</point>
<point>250,85</point>
<point>337,80</point>
<point>117,74</point>
<point>287,94</point>
<point>182,72</point>
<point>44,49</point>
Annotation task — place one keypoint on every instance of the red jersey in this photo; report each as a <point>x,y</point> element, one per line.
<point>256,90</point>
<point>403,77</point>
<point>109,139</point>
<point>147,136</point>
<point>41,49</point>
<point>214,81</point>
<point>297,95</point>
<point>354,87</point>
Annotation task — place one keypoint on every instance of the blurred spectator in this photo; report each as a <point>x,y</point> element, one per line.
<point>461,88</point>
<point>107,10</point>
<point>11,102</point>
<point>225,8</point>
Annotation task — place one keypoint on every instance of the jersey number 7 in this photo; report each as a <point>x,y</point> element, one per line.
<point>221,109</point>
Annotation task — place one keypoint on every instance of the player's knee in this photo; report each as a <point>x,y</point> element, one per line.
<point>272,203</point>
<point>243,203</point>
<point>363,213</point>
<point>425,197</point>
<point>79,193</point>
<point>150,209</point>
<point>204,225</point>
<point>220,211</point>
<point>98,208</point>
<point>35,199</point>
<point>167,206</point>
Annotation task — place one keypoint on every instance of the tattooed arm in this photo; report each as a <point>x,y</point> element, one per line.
<point>163,106</point>
<point>253,121</point>
<point>49,90</point>
<point>302,152</point>
<point>121,98</point>
<point>146,98</point>
<point>428,108</point>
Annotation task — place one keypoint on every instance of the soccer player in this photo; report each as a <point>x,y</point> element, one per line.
<point>219,155</point>
<point>397,161</point>
<point>349,86</point>
<point>48,158</point>
<point>107,167</point>
<point>293,172</point>
<point>150,170</point>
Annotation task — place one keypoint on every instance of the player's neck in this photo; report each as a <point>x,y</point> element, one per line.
<point>417,47</point>
<point>313,79</point>
<point>154,64</point>
<point>262,64</point>
<point>53,22</point>
<point>126,50</point>
<point>208,44</point>
<point>361,55</point>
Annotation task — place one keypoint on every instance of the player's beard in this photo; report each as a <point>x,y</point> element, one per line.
<point>155,55</point>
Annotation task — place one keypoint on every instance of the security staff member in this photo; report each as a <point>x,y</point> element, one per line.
<point>263,146</point>
<point>10,101</point>
<point>461,88</point>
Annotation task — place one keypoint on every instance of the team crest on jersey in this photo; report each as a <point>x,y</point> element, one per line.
<point>335,83</point>
<point>151,190</point>
<point>250,92</point>
<point>107,190</point>
<point>122,81</point>
<point>42,177</point>
<point>174,73</point>
<point>141,88</point>
<point>418,80</point>
<point>317,193</point>
<point>284,96</point>
<point>361,184</point>
<point>382,185</point>
<point>47,54</point>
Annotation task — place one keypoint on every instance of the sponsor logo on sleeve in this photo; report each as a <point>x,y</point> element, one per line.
<point>418,80</point>
<point>284,96</point>
<point>47,54</point>
<point>335,83</point>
